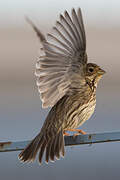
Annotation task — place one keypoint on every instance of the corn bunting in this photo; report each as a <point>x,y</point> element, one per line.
<point>66,83</point>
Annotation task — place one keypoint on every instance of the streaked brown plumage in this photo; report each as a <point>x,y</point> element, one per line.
<point>66,83</point>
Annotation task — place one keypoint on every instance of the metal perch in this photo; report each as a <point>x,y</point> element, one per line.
<point>69,141</point>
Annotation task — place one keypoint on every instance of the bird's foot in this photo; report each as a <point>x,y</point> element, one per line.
<point>79,131</point>
<point>66,134</point>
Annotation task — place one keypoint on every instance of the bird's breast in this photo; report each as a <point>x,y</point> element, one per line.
<point>80,112</point>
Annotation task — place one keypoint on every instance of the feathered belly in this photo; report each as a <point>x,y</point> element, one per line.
<point>80,114</point>
<point>85,113</point>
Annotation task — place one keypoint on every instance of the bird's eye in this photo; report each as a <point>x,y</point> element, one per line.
<point>91,69</point>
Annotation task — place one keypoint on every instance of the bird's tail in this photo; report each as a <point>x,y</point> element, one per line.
<point>54,148</point>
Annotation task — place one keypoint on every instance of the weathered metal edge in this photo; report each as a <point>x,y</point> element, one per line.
<point>69,141</point>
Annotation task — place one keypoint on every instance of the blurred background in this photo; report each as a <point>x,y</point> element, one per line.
<point>21,114</point>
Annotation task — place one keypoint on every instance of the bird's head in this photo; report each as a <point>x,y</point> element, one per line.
<point>94,73</point>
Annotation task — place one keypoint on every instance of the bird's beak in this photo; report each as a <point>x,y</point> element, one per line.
<point>101,71</point>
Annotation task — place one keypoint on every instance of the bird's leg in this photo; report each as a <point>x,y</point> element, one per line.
<point>79,131</point>
<point>66,134</point>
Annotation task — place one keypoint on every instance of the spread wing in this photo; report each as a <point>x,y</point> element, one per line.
<point>61,70</point>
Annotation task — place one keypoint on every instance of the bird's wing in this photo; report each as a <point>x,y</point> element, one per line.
<point>61,70</point>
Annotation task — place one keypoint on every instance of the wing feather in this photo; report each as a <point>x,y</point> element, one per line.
<point>64,39</point>
<point>61,69</point>
<point>61,43</point>
<point>74,29</point>
<point>72,41</point>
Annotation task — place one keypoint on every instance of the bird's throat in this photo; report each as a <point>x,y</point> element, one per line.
<point>91,84</point>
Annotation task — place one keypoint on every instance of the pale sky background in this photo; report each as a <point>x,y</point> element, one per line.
<point>95,11</point>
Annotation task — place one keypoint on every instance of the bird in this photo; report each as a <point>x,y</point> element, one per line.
<point>66,83</point>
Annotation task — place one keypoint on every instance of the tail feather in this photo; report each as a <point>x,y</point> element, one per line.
<point>37,147</point>
<point>62,149</point>
<point>42,151</point>
<point>48,149</point>
<point>52,153</point>
<point>29,153</point>
<point>57,147</point>
<point>25,155</point>
<point>54,147</point>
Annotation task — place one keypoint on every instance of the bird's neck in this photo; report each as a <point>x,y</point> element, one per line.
<point>92,85</point>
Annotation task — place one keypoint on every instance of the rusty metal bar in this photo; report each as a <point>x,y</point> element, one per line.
<point>69,141</point>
